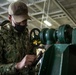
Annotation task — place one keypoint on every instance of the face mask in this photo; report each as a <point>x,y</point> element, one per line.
<point>20,28</point>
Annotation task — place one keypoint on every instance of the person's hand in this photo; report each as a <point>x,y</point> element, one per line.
<point>26,61</point>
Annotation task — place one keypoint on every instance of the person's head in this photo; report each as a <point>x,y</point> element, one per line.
<point>18,15</point>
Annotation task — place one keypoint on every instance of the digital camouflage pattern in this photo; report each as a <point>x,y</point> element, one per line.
<point>13,47</point>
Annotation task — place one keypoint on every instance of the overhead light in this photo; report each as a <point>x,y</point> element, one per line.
<point>12,0</point>
<point>47,23</point>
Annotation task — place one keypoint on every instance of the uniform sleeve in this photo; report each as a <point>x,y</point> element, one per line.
<point>1,47</point>
<point>5,68</point>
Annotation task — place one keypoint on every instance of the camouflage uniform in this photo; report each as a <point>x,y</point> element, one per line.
<point>13,47</point>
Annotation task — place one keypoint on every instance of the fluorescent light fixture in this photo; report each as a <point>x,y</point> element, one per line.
<point>12,0</point>
<point>47,23</point>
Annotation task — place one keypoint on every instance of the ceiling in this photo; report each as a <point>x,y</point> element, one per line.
<point>57,12</point>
